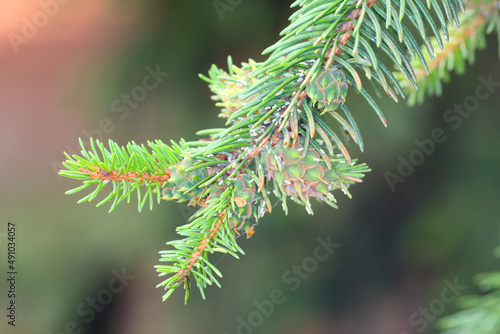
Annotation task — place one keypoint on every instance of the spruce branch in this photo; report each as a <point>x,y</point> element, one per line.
<point>285,120</point>
<point>209,232</point>
<point>128,169</point>
<point>481,18</point>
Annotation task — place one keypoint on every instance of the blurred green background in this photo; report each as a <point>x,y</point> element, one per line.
<point>397,248</point>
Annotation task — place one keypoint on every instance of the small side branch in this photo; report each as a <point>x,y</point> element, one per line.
<point>201,248</point>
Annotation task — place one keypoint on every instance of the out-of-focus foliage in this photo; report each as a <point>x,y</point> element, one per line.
<point>480,314</point>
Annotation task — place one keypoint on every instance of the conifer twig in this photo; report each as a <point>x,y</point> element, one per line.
<point>285,119</point>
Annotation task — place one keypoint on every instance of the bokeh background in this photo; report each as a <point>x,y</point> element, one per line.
<point>397,248</point>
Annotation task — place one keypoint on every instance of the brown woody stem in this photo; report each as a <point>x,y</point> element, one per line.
<point>346,27</point>
<point>100,173</point>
